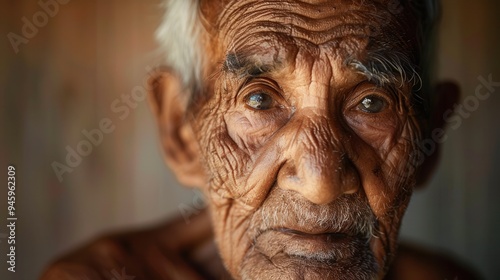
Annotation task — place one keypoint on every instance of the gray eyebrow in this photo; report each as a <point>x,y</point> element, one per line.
<point>233,63</point>
<point>386,68</point>
<point>245,65</point>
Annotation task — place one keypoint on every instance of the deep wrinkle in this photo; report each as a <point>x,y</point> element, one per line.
<point>314,74</point>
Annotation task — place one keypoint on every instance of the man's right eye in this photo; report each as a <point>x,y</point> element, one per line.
<point>259,101</point>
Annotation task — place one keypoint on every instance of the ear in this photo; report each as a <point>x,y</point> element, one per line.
<point>447,95</point>
<point>168,100</point>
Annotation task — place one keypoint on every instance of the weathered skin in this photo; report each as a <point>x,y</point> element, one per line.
<point>313,155</point>
<point>304,180</point>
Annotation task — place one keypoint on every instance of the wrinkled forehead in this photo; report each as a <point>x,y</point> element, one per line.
<point>343,28</point>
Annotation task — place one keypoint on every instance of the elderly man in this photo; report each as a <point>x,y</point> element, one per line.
<point>300,121</point>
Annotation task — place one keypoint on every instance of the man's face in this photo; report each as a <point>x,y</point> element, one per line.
<point>304,154</point>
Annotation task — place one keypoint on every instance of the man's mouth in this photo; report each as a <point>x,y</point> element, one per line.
<point>318,246</point>
<point>326,237</point>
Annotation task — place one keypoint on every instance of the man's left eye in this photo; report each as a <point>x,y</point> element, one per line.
<point>372,104</point>
<point>259,101</point>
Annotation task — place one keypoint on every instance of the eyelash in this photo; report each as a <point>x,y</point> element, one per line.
<point>259,85</point>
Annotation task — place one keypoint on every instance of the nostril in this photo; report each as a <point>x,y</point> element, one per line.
<point>287,176</point>
<point>290,171</point>
<point>351,180</point>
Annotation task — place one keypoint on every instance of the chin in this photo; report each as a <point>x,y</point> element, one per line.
<point>357,263</point>
<point>318,253</point>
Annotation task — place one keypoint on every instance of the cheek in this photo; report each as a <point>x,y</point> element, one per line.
<point>398,160</point>
<point>226,165</point>
<point>388,184</point>
<point>379,131</point>
<point>250,130</point>
<point>228,141</point>
<point>381,151</point>
<point>220,155</point>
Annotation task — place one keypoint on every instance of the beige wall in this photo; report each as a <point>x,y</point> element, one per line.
<point>61,82</point>
<point>66,78</point>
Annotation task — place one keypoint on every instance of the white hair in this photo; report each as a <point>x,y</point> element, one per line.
<point>179,39</point>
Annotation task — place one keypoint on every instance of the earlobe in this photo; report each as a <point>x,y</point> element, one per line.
<point>168,100</point>
<point>447,95</point>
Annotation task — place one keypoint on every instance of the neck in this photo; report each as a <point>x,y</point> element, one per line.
<point>204,254</point>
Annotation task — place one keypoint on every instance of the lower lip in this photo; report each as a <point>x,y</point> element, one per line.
<point>326,246</point>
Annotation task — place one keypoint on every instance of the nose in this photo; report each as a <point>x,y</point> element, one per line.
<point>316,165</point>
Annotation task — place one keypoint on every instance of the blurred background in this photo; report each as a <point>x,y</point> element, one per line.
<point>82,62</point>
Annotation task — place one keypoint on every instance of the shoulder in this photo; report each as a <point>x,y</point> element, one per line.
<point>414,262</point>
<point>155,253</point>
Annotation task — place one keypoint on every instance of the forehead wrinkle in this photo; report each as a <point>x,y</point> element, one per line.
<point>317,23</point>
<point>344,28</point>
<point>328,72</point>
